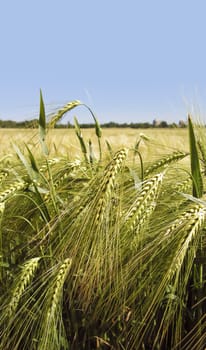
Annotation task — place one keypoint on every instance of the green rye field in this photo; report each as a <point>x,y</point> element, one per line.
<point>102,238</point>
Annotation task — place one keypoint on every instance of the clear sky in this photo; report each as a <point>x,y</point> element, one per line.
<point>131,61</point>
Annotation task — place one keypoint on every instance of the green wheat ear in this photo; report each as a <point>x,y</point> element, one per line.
<point>58,116</point>
<point>165,161</point>
<point>81,139</point>
<point>53,330</point>
<point>28,271</point>
<point>144,204</point>
<point>108,183</point>
<point>12,189</point>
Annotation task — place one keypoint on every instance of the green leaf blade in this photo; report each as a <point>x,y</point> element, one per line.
<point>197,180</point>
<point>42,125</point>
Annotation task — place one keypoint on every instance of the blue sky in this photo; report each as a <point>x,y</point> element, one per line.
<point>131,60</point>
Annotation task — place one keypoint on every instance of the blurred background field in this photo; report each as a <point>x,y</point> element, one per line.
<point>64,142</point>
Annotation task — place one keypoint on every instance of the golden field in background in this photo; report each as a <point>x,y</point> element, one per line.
<point>64,141</point>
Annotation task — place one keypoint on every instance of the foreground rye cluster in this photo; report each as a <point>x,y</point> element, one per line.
<point>104,252</point>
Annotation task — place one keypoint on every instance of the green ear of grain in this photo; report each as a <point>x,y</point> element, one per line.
<point>28,270</point>
<point>91,153</point>
<point>109,147</point>
<point>197,182</point>
<point>80,138</point>
<point>68,107</point>
<point>42,125</point>
<point>98,131</point>
<point>165,161</point>
<point>141,165</point>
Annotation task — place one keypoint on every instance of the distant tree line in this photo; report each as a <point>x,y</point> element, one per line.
<point>144,125</point>
<point>11,124</point>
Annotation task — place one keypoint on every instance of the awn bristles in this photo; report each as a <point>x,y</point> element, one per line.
<point>53,161</point>
<point>49,334</point>
<point>16,186</point>
<point>145,203</point>
<point>187,219</point>
<point>193,221</point>
<point>108,182</point>
<point>69,171</point>
<point>62,111</point>
<point>58,284</point>
<point>184,186</point>
<point>165,161</point>
<point>28,271</point>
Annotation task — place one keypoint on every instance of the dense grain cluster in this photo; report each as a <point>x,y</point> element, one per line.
<point>103,250</point>
<point>145,203</point>
<point>108,182</point>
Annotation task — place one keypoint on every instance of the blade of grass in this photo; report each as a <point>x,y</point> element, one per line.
<point>24,161</point>
<point>197,182</point>
<point>42,125</point>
